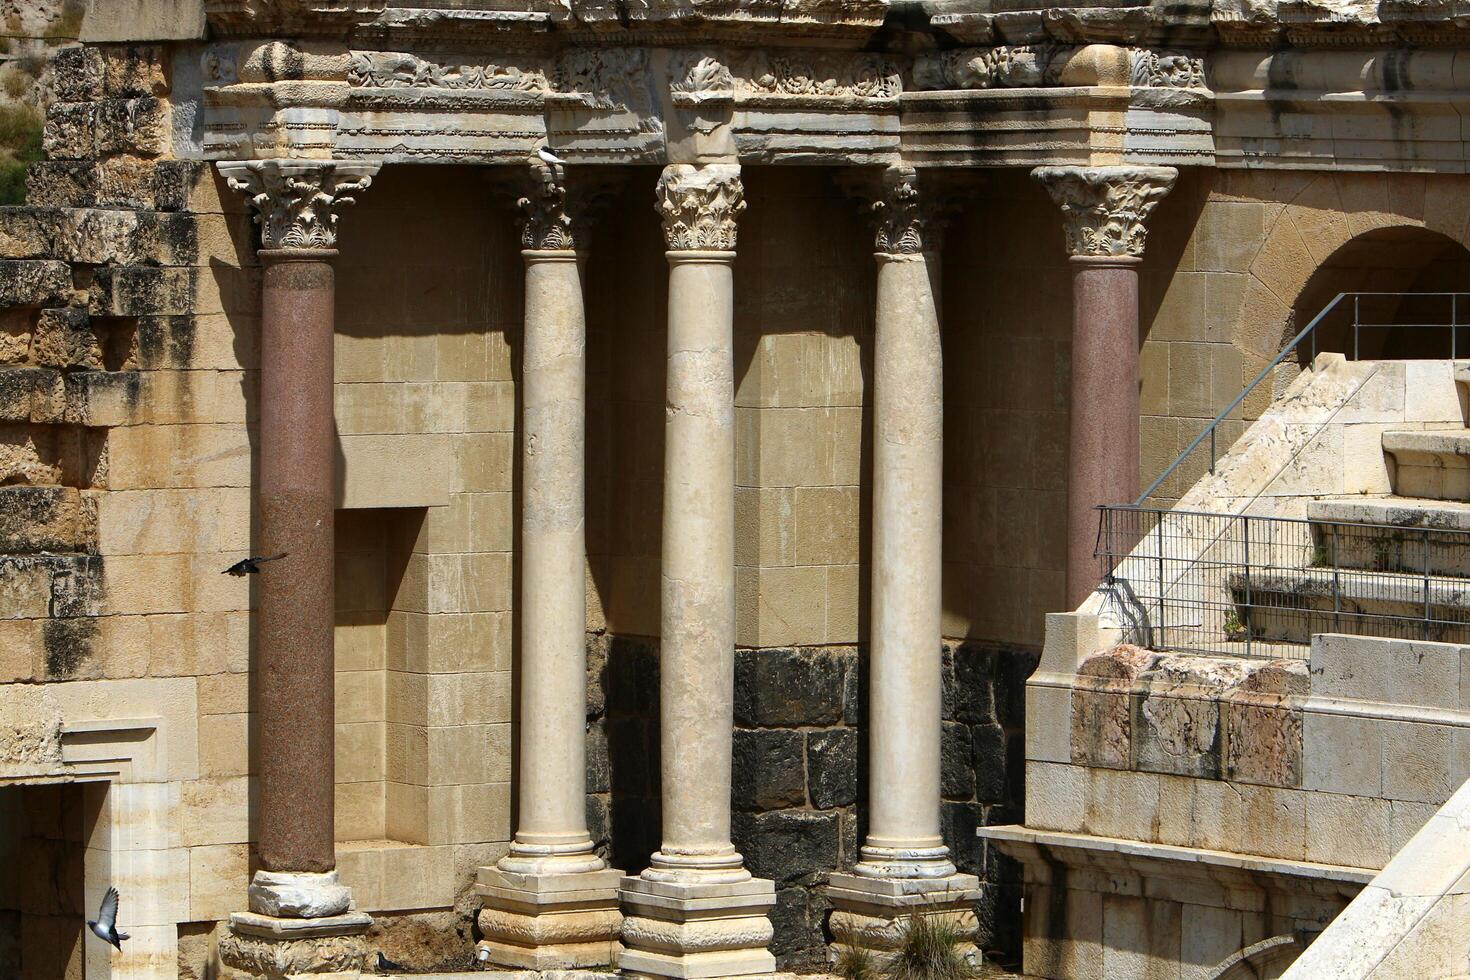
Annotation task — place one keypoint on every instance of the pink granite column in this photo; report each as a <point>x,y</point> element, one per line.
<point>1105,210</point>
<point>296,891</point>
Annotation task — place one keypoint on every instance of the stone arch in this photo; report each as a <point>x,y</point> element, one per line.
<point>1264,960</point>
<point>1326,214</point>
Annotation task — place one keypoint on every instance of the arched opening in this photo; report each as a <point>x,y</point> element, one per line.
<point>1414,269</point>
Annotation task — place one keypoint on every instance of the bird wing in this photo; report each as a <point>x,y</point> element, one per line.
<point>107,914</point>
<point>273,557</point>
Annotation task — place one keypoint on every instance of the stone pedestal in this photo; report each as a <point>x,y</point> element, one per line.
<point>299,921</point>
<point>1104,211</point>
<point>875,913</point>
<point>550,921</point>
<point>279,948</point>
<point>551,903</point>
<point>692,930</point>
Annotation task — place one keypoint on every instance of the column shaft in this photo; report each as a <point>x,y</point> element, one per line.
<point>295,679</point>
<point>904,673</point>
<point>697,666</point>
<point>1102,458</point>
<point>553,812</point>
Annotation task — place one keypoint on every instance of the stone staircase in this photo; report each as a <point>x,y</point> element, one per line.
<point>1394,560</point>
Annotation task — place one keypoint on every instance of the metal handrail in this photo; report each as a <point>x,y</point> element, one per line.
<point>1290,348</point>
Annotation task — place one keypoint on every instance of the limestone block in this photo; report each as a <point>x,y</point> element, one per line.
<point>218,876</point>
<point>34,282</point>
<point>1348,830</point>
<point>70,130</point>
<point>1416,762</point>
<point>1424,674</point>
<point>110,21</point>
<point>41,519</point>
<point>102,399</point>
<point>1275,822</point>
<point>138,126</point>
<point>224,745</point>
<point>1102,707</point>
<point>1056,796</point>
<point>1049,712</point>
<point>215,811</point>
<point>393,471</point>
<point>62,183</point>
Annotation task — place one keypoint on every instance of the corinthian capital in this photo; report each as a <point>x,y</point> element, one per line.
<point>295,201</point>
<point>907,219</point>
<point>1105,209</point>
<point>700,206</point>
<point>548,222</point>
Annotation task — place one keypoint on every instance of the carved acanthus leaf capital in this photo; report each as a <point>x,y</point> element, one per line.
<point>1105,210</point>
<point>700,206</point>
<point>296,201</point>
<point>907,219</point>
<point>548,222</point>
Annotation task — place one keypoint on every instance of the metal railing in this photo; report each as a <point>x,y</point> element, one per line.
<point>1307,338</point>
<point>1238,585</point>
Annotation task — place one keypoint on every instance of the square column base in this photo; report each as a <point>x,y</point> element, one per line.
<point>697,931</point>
<point>550,921</point>
<point>874,913</point>
<point>277,948</point>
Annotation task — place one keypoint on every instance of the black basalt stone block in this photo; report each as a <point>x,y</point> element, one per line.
<point>832,767</point>
<point>767,770</point>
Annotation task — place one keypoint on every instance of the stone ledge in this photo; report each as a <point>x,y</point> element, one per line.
<point>1087,845</point>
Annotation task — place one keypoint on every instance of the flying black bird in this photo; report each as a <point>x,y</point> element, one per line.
<point>251,565</point>
<point>105,928</point>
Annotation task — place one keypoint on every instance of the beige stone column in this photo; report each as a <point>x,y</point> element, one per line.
<point>300,912</point>
<point>551,903</point>
<point>695,911</point>
<point>1104,210</point>
<point>905,865</point>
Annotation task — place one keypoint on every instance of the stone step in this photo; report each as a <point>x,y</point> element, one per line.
<point>1432,463</point>
<point>1291,604</point>
<point>1392,534</point>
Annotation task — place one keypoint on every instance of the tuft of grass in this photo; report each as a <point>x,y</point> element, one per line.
<point>20,146</point>
<point>856,963</point>
<point>930,951</point>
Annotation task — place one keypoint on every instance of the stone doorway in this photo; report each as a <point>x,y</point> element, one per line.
<point>43,843</point>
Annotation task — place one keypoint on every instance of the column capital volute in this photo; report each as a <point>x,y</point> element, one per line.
<point>700,206</point>
<point>1105,210</point>
<point>296,201</point>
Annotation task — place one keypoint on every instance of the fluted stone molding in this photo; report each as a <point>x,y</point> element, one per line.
<point>296,201</point>
<point>904,866</point>
<point>551,903</point>
<point>696,911</point>
<point>700,206</point>
<point>300,919</point>
<point>1105,210</point>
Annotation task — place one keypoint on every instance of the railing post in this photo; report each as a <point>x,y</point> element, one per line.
<point>1454,323</point>
<point>1357,320</point>
<point>1336,586</point>
<point>1212,450</point>
<point>1248,621</point>
<point>1159,528</point>
<point>1426,583</point>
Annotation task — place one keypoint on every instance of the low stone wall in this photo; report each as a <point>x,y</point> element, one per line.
<point>800,772</point>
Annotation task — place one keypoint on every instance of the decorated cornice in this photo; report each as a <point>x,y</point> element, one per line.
<point>395,70</point>
<point>296,201</point>
<point>1105,210</point>
<point>700,206</point>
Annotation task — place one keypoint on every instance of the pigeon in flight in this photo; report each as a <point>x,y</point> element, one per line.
<point>543,152</point>
<point>251,565</point>
<point>105,928</point>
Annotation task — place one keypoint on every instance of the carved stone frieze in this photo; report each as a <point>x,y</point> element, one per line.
<point>700,206</point>
<point>278,959</point>
<point>371,69</point>
<point>826,76</point>
<point>1019,66</point>
<point>296,201</point>
<point>1152,68</point>
<point>1105,210</point>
